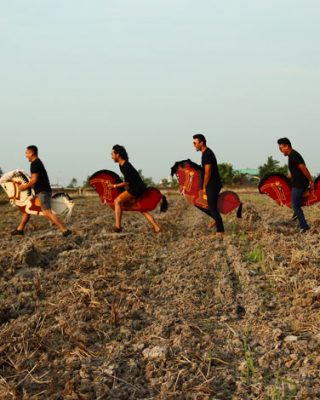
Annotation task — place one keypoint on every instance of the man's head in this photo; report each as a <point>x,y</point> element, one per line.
<point>285,146</point>
<point>31,152</point>
<point>199,141</point>
<point>119,153</point>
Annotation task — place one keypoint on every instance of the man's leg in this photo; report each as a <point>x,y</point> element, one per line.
<point>118,203</point>
<point>152,221</point>
<point>23,222</point>
<point>45,201</point>
<point>297,194</point>
<point>212,195</point>
<point>54,219</point>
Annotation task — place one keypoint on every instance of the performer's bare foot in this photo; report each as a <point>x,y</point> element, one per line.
<point>212,224</point>
<point>157,230</point>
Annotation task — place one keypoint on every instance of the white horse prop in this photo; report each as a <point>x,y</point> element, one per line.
<point>26,200</point>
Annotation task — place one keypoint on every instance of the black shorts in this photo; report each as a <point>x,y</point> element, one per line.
<point>137,190</point>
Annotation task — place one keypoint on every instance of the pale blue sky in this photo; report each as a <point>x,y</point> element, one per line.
<point>79,76</point>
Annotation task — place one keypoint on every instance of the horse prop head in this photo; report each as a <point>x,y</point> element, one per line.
<point>189,177</point>
<point>279,188</point>
<point>10,183</point>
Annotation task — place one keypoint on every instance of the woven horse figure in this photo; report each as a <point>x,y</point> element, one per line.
<point>189,175</point>
<point>279,188</point>
<point>26,200</point>
<point>101,181</point>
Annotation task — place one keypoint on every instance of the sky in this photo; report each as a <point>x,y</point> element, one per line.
<point>79,76</point>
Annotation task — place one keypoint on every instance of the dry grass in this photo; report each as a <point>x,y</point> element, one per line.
<point>174,316</point>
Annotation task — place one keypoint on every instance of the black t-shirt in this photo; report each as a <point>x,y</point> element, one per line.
<point>208,157</point>
<point>42,184</point>
<point>299,180</point>
<point>131,175</point>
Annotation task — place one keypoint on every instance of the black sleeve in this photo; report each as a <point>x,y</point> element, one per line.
<point>206,159</point>
<point>209,158</point>
<point>297,159</point>
<point>127,172</point>
<point>35,168</point>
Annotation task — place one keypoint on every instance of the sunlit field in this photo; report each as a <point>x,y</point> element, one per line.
<point>179,315</point>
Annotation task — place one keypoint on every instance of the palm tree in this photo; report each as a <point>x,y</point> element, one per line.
<point>272,165</point>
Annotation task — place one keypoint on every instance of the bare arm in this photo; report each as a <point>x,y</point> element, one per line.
<point>306,173</point>
<point>120,185</point>
<point>31,183</point>
<point>207,175</point>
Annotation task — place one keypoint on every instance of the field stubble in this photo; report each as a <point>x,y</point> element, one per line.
<point>175,316</point>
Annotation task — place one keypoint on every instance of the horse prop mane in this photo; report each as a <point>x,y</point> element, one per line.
<point>279,188</point>
<point>26,200</point>
<point>189,175</point>
<point>101,180</point>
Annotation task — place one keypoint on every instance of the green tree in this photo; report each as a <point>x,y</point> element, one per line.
<point>227,173</point>
<point>174,183</point>
<point>147,181</point>
<point>272,165</point>
<point>73,183</point>
<point>165,182</point>
<point>86,183</point>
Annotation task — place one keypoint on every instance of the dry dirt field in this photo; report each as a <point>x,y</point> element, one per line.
<point>178,315</point>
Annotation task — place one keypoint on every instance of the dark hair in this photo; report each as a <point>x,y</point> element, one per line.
<point>284,141</point>
<point>121,151</point>
<point>34,149</point>
<point>200,137</point>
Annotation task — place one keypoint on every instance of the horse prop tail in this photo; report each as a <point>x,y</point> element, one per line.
<point>62,204</point>
<point>239,211</point>
<point>164,204</point>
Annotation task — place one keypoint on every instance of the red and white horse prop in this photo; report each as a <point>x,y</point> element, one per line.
<point>26,200</point>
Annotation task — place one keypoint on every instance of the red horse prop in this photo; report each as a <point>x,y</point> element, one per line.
<point>189,175</point>
<point>101,180</point>
<point>279,188</point>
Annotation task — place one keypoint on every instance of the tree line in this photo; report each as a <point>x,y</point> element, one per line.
<point>229,175</point>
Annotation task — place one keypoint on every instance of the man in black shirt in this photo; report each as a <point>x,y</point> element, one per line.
<point>135,187</point>
<point>211,179</point>
<point>41,185</point>
<point>300,177</point>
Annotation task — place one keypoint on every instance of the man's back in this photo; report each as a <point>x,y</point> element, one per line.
<point>208,157</point>
<point>43,183</point>
<point>299,180</point>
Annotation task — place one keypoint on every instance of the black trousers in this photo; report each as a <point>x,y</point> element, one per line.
<point>212,195</point>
